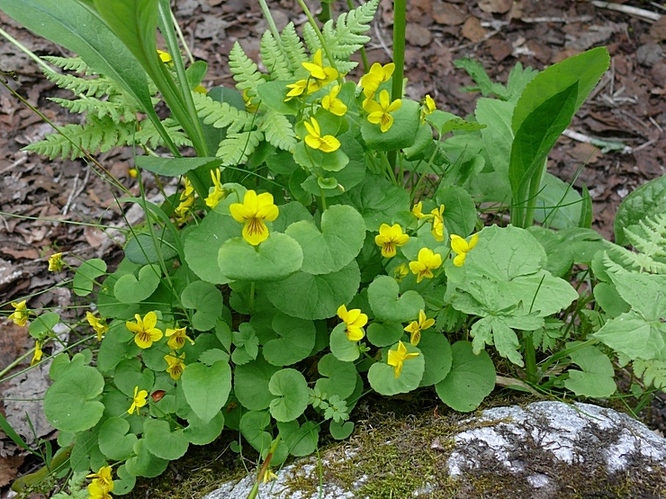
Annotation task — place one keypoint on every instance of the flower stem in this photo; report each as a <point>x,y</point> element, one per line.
<point>399,24</point>
<point>316,29</point>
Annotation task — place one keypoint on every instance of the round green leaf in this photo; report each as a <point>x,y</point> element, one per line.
<point>144,463</point>
<point>340,240</point>
<point>339,378</point>
<point>141,248</point>
<point>300,440</point>
<point>292,394</point>
<point>382,378</point>
<point>314,297</point>
<point>252,427</point>
<point>406,122</point>
<point>124,481</point>
<point>114,441</point>
<point>128,374</point>
<point>471,379</point>
<point>459,209</point>
<point>134,289</point>
<point>206,388</point>
<point>388,306</point>
<point>71,404</point>
<point>251,384</point>
<point>202,433</point>
<point>162,442</point>
<point>438,357</point>
<point>341,430</point>
<point>343,349</point>
<point>43,324</point>
<point>206,299</point>
<point>382,334</point>
<point>295,342</point>
<point>274,259</point>
<point>86,276</point>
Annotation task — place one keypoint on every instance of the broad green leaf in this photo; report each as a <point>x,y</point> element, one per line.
<point>252,427</point>
<point>114,440</point>
<point>251,384</point>
<point>131,288</point>
<point>646,201</point>
<point>595,379</point>
<point>202,245</point>
<point>86,275</point>
<point>301,440</point>
<point>175,167</point>
<point>312,297</point>
<point>142,249</point>
<point>206,299</point>
<point>471,379</point>
<point>162,442</point>
<point>494,330</point>
<point>338,377</point>
<point>128,374</point>
<point>406,122</point>
<point>383,334</point>
<point>273,94</point>
<point>342,347</point>
<point>274,259</point>
<point>388,305</point>
<point>339,241</point>
<point>296,339</point>
<point>632,336</point>
<point>436,351</point>
<point>43,324</point>
<point>558,204</point>
<point>645,293</point>
<point>459,209</point>
<point>145,463</point>
<point>206,389</point>
<point>199,432</point>
<point>341,430</point>
<point>382,377</point>
<point>291,394</point>
<point>72,402</point>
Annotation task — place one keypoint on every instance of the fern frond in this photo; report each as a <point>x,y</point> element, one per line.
<point>648,237</point>
<point>92,87</point>
<point>278,130</point>
<point>237,147</point>
<point>221,114</point>
<point>244,70</point>
<point>274,58</point>
<point>99,135</point>
<point>149,136</point>
<point>293,47</point>
<point>69,64</point>
<point>117,111</point>
<point>653,372</point>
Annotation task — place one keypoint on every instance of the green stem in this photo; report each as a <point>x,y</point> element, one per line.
<point>269,20</point>
<point>530,358</point>
<point>264,468</point>
<point>25,50</point>
<point>250,303</point>
<point>320,36</point>
<point>399,26</point>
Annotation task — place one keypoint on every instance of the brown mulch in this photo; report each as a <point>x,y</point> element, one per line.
<point>46,205</point>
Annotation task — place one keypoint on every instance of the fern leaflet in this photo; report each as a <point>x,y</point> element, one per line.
<point>93,87</point>
<point>653,372</point>
<point>116,110</point>
<point>237,147</point>
<point>278,130</point>
<point>69,64</point>
<point>149,136</point>
<point>293,47</point>
<point>649,238</point>
<point>221,114</point>
<point>274,58</point>
<point>244,70</point>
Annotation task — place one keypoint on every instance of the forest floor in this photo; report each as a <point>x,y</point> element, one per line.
<point>49,206</point>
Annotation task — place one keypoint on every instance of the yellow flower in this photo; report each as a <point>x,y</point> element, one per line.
<point>177,338</point>
<point>317,69</point>
<point>396,358</point>
<point>296,89</point>
<point>379,113</point>
<point>252,213</point>
<point>103,477</point>
<point>461,247</point>
<point>97,490</point>
<point>250,106</point>
<point>400,272</point>
<point>99,325</point>
<point>200,89</point>
<point>145,332</point>
<point>389,238</point>
<point>428,106</point>
<point>216,193</point>
<point>165,57</point>
<point>438,223</point>
<point>415,327</point>
<point>426,262</point>
<point>176,366</point>
<point>20,314</point>
<point>132,172</point>
<point>55,262</point>
<point>332,104</point>
<point>377,75</point>
<point>37,355</point>
<point>417,210</point>
<point>186,202</point>
<point>354,320</point>
<point>314,139</point>
<point>138,400</point>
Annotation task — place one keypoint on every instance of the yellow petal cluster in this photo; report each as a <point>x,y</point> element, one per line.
<point>379,113</point>
<point>145,332</point>
<point>138,400</point>
<point>396,358</point>
<point>427,261</point>
<point>216,193</point>
<point>99,325</point>
<point>315,140</point>
<point>55,262</point>
<point>177,338</point>
<point>461,247</point>
<point>390,237</point>
<point>175,364</point>
<point>186,202</point>
<point>332,104</point>
<point>20,314</point>
<point>415,327</point>
<point>252,212</point>
<point>354,321</point>
<point>102,485</point>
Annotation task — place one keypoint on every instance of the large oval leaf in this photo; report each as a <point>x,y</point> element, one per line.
<point>274,259</point>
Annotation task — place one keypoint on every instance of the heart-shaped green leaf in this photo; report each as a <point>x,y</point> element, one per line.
<point>300,440</point>
<point>295,342</point>
<point>206,388</point>
<point>274,259</point>
<point>114,441</point>
<point>343,349</point>
<point>145,463</point>
<point>206,299</point>
<point>132,288</point>
<point>382,378</point>
<point>200,433</point>
<point>162,442</point>
<point>382,334</point>
<point>71,402</point>
<point>386,303</point>
<point>86,274</point>
<point>436,351</point>
<point>251,384</point>
<point>292,394</point>
<point>339,378</point>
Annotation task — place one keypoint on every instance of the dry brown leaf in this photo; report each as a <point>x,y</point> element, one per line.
<point>495,6</point>
<point>658,29</point>
<point>9,468</point>
<point>418,35</point>
<point>447,14</point>
<point>473,31</point>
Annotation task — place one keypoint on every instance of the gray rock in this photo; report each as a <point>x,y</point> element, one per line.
<point>542,450</point>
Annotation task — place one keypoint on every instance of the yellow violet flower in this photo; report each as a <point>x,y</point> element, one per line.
<point>379,113</point>
<point>145,332</point>
<point>176,366</point>
<point>427,261</point>
<point>332,104</point>
<point>377,75</point>
<point>200,89</point>
<point>389,238</point>
<point>97,490</point>
<point>99,325</point>
<point>138,400</point>
<point>186,201</point>
<point>417,210</point>
<point>296,89</point>
<point>317,69</point>
<point>252,213</point>
<point>216,193</point>
<point>103,477</point>
<point>55,262</point>
<point>461,247</point>
<point>400,272</point>
<point>133,172</point>
<point>438,223</point>
<point>177,338</point>
<point>314,139</point>
<point>269,475</point>
<point>38,354</point>
<point>428,106</point>
<point>354,319</point>
<point>20,314</point>
<point>165,57</point>
<point>396,358</point>
<point>415,327</point>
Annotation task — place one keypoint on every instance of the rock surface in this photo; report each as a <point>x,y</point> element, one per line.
<point>542,450</point>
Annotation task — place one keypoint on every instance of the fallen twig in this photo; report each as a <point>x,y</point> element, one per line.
<point>605,145</point>
<point>645,15</point>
